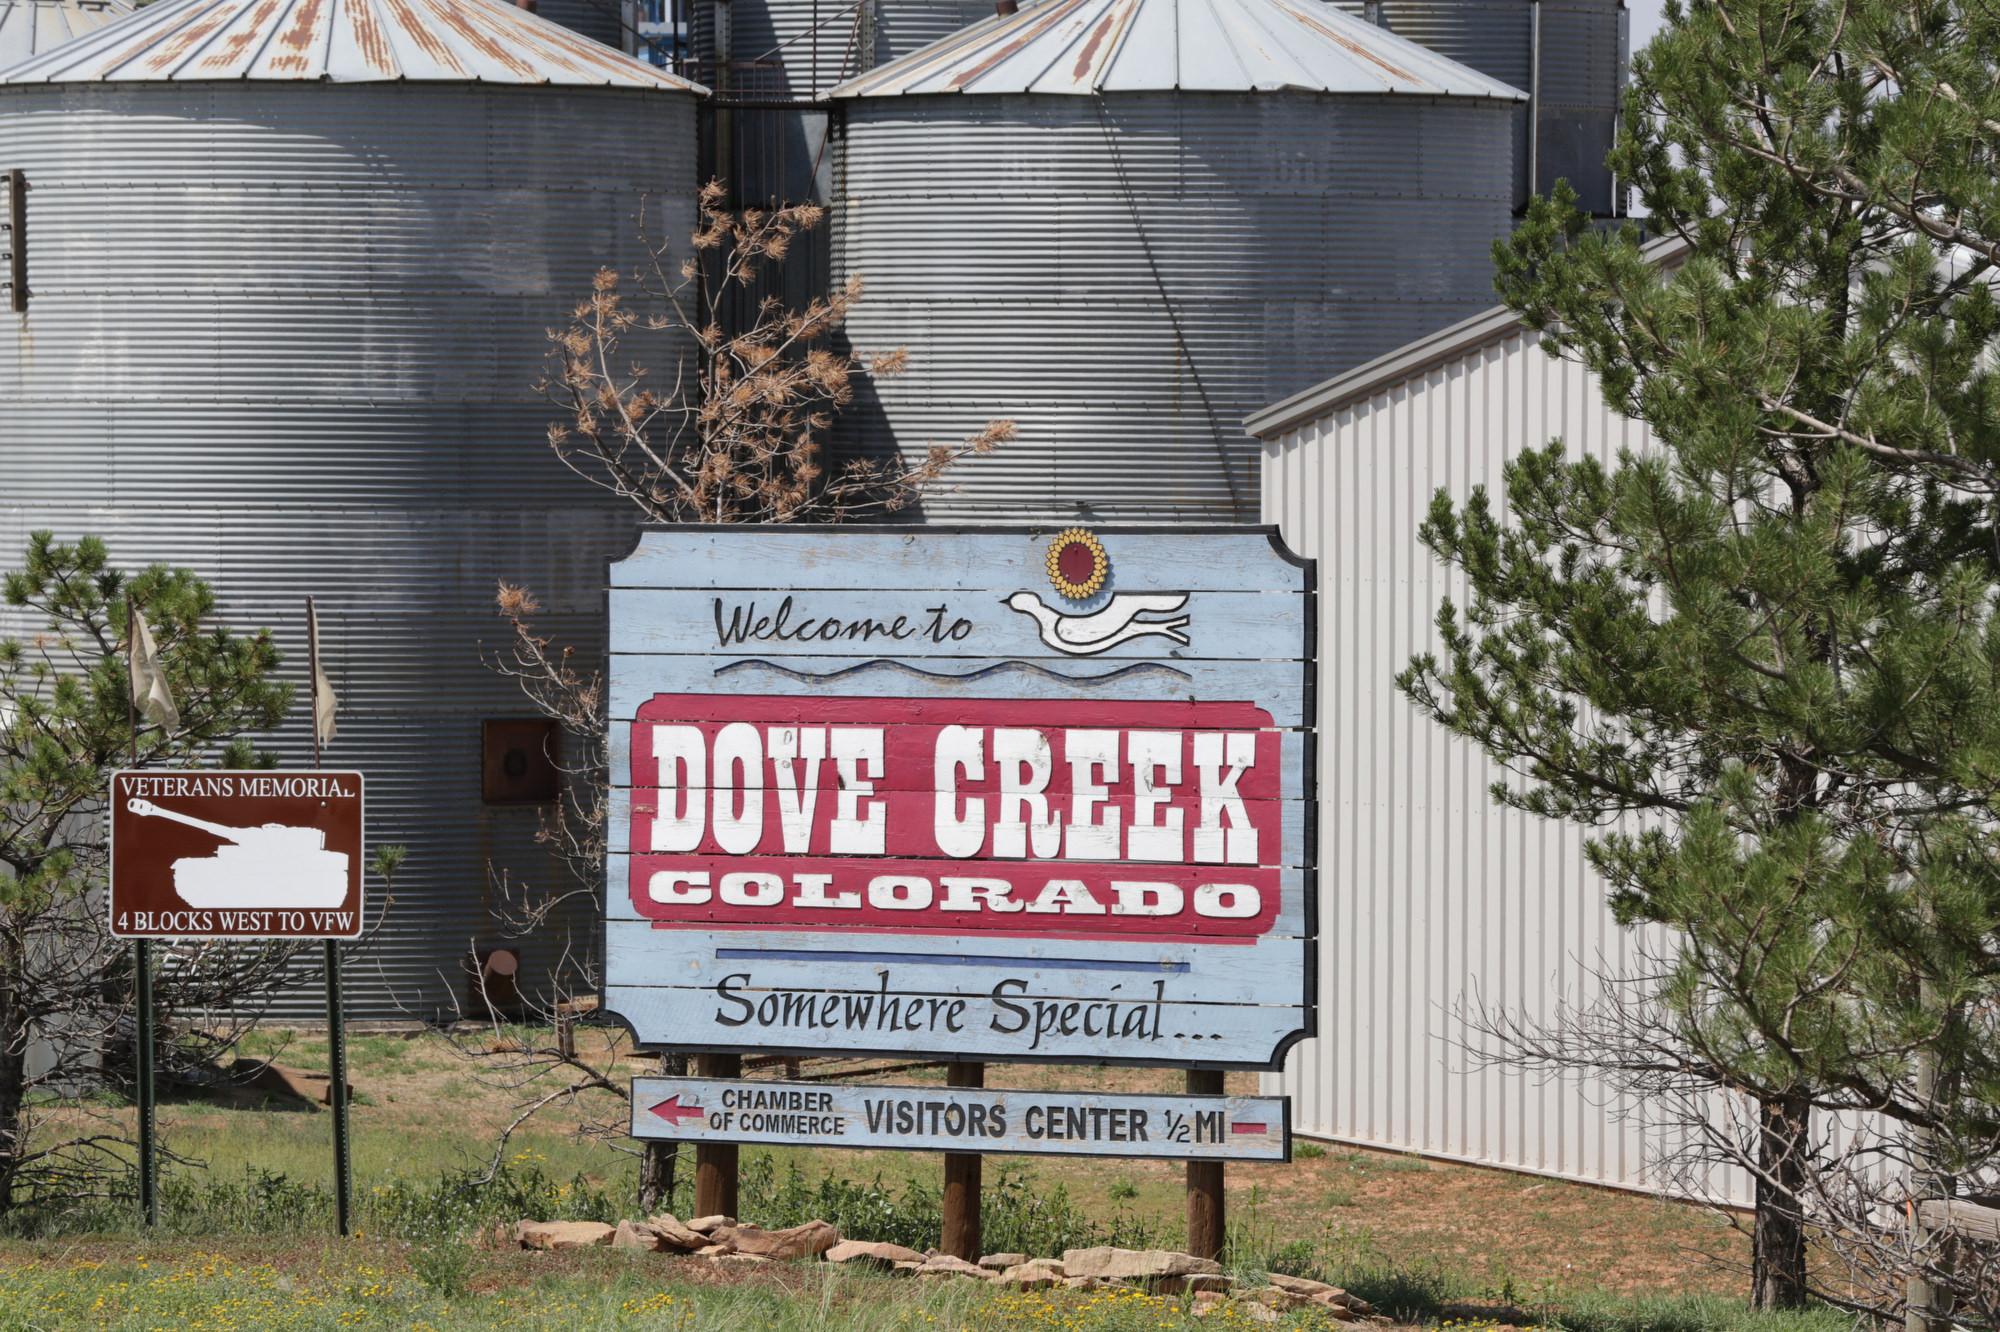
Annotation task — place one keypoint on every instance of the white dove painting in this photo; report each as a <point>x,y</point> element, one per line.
<point>1120,620</point>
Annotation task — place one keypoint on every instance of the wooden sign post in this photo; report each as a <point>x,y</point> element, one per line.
<point>1207,1220</point>
<point>715,1176</point>
<point>962,1172</point>
<point>975,794</point>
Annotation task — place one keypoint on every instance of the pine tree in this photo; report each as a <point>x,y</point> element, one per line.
<point>1769,642</point>
<point>65,983</point>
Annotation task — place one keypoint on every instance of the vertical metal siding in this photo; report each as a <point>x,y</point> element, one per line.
<point>600,20</point>
<point>287,336</point>
<point>1294,233</point>
<point>1581,76</point>
<point>1433,896</point>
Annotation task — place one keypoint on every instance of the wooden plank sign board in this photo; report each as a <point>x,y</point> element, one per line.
<point>963,1119</point>
<point>981,793</point>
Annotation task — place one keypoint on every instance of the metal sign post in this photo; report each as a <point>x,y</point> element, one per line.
<point>149,1161</point>
<point>974,794</point>
<point>336,1018</point>
<point>142,981</point>
<point>336,1060</point>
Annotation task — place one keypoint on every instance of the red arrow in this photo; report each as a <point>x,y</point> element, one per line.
<point>674,1112</point>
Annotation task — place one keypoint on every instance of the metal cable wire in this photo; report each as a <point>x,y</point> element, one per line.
<point>1166,301</point>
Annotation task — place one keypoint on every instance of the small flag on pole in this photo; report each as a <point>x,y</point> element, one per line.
<point>325,702</point>
<point>150,695</point>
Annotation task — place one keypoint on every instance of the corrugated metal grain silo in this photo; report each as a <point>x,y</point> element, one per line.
<point>599,20</point>
<point>772,52</point>
<point>29,27</point>
<point>1567,55</point>
<point>1126,224</point>
<point>290,268</point>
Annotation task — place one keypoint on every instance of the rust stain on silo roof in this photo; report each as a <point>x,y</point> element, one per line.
<point>1350,44</point>
<point>342,41</point>
<point>407,21</point>
<point>1033,30</point>
<point>234,45</point>
<point>194,34</point>
<point>303,33</point>
<point>482,42</point>
<point>368,36</point>
<point>1112,25</point>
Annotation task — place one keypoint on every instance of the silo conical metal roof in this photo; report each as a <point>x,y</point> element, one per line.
<point>341,41</point>
<point>1082,47</point>
<point>29,27</point>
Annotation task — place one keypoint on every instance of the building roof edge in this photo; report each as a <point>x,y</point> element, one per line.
<point>1412,359</point>
<point>1364,380</point>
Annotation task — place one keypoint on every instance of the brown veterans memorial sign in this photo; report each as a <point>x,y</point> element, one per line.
<point>236,855</point>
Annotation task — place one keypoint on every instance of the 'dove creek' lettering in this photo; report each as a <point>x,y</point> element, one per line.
<point>1004,819</point>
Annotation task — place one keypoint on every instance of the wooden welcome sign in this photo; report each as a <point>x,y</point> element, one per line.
<point>974,793</point>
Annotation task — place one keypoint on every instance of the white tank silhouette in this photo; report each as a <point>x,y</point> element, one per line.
<point>275,865</point>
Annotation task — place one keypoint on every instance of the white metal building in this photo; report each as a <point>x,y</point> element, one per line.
<point>1433,897</point>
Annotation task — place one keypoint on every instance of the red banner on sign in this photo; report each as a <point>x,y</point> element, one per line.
<point>1020,817</point>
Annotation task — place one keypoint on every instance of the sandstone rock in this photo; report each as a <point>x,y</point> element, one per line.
<point>943,1264</point>
<point>1279,1300</point>
<point>1205,1300</point>
<point>1000,1262</point>
<point>1348,1305</point>
<point>1194,1281</point>
<point>553,1235</point>
<point>803,1241</point>
<point>740,1260</point>
<point>676,1235</point>
<point>713,1251</point>
<point>1038,1274</point>
<point>636,1235</point>
<point>861,1253</point>
<point>1052,1266</point>
<point>910,1267</point>
<point>704,1224</point>
<point>1333,1297</point>
<point>1136,1264</point>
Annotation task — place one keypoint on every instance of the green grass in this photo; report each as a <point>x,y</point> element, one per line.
<point>378,1287</point>
<point>385,1285</point>
<point>1595,1312</point>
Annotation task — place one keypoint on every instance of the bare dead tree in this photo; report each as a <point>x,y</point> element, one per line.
<point>1855,1178</point>
<point>734,430</point>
